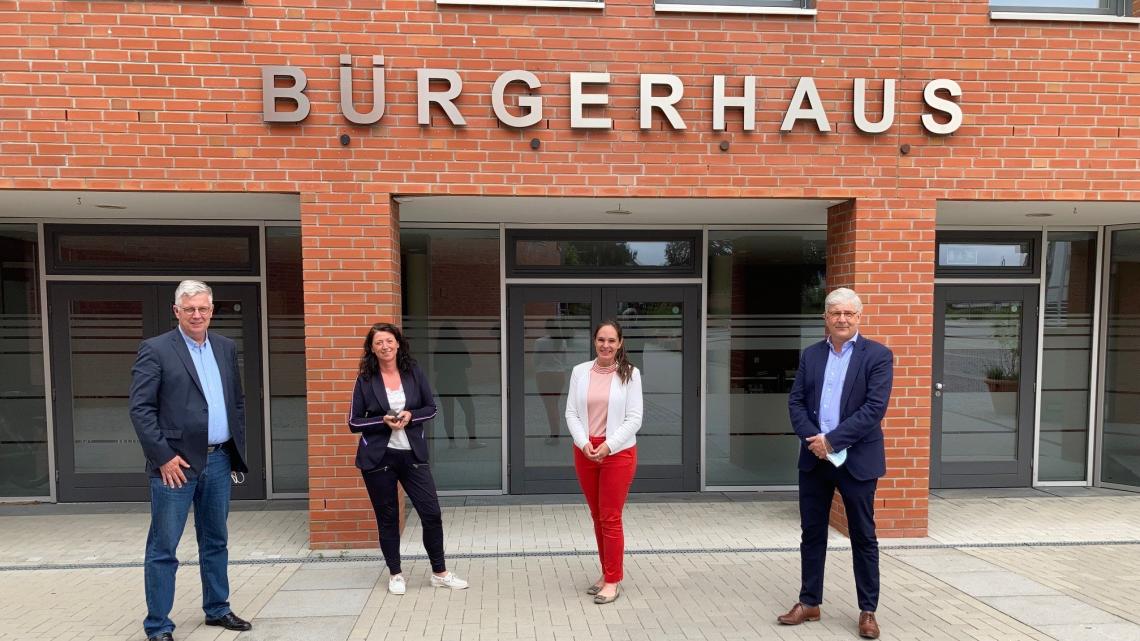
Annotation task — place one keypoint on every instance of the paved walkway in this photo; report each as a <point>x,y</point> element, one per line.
<point>1020,565</point>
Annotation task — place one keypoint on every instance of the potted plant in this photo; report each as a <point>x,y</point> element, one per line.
<point>1002,378</point>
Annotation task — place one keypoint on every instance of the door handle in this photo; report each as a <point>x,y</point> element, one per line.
<point>937,390</point>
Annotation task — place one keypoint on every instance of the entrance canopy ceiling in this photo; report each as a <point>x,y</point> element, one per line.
<point>742,211</point>
<point>1031,213</point>
<point>149,205</point>
<point>625,212</point>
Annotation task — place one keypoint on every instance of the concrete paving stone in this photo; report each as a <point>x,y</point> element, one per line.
<point>1049,610</point>
<point>997,583</point>
<point>729,594</point>
<point>322,577</point>
<point>1094,632</point>
<point>300,629</point>
<point>938,561</point>
<point>1107,576</point>
<point>989,493</point>
<point>315,603</point>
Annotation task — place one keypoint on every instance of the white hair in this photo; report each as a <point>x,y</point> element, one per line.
<point>843,295</point>
<point>191,288</point>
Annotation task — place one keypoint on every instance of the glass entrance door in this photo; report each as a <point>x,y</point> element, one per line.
<point>1119,453</point>
<point>551,332</point>
<point>95,334</point>
<point>985,349</point>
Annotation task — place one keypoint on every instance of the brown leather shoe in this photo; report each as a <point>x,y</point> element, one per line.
<point>868,627</point>
<point>799,613</point>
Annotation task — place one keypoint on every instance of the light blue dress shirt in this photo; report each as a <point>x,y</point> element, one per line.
<point>211,376</point>
<point>832,393</point>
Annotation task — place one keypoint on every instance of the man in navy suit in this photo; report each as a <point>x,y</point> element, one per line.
<point>188,409</point>
<point>836,405</point>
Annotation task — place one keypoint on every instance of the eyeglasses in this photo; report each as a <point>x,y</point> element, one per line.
<point>189,311</point>
<point>843,314</point>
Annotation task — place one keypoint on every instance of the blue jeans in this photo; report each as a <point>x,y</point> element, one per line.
<point>169,506</point>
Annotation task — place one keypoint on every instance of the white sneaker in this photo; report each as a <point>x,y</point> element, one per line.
<point>448,580</point>
<point>397,585</point>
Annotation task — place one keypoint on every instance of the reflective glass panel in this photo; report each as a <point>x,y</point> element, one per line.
<point>603,253</point>
<point>1057,4</point>
<point>735,3</point>
<point>1120,449</point>
<point>451,315</point>
<point>653,337</point>
<point>765,300</point>
<point>102,248</point>
<point>23,409</point>
<point>288,431</point>
<point>104,337</point>
<point>1014,254</point>
<point>556,337</point>
<point>1070,283</point>
<point>981,372</point>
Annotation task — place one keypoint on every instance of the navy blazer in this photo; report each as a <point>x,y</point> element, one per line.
<point>168,406</point>
<point>370,404</point>
<point>862,405</point>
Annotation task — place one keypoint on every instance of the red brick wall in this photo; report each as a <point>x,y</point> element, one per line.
<point>884,250</point>
<point>148,95</point>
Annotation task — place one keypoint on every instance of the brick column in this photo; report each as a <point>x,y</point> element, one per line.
<point>350,249</point>
<point>884,250</point>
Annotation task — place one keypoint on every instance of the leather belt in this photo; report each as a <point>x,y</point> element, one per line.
<point>210,449</point>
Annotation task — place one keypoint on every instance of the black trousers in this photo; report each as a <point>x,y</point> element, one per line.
<point>401,465</point>
<point>817,488</point>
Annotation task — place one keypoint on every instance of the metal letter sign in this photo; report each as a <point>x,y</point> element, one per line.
<point>806,104</point>
<point>271,93</point>
<point>533,104</point>
<point>346,106</point>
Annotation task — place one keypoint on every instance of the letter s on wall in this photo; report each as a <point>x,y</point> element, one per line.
<point>948,107</point>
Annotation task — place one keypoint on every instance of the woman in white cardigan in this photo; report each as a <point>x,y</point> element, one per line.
<point>603,413</point>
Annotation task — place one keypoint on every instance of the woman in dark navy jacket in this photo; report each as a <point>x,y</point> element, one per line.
<point>390,405</point>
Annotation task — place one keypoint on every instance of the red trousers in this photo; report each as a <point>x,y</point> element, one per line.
<point>606,485</point>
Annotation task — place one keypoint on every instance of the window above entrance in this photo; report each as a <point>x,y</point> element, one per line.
<point>152,249</point>
<point>1060,9</point>
<point>992,254</point>
<point>630,254</point>
<point>777,7</point>
<point>554,4</point>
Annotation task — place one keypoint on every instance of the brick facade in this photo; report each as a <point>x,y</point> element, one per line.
<point>166,97</point>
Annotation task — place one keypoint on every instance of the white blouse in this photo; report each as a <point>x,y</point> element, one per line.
<point>396,401</point>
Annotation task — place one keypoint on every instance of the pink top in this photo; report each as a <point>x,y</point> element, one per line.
<point>598,398</point>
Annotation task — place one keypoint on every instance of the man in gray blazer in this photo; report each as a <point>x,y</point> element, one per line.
<point>188,409</point>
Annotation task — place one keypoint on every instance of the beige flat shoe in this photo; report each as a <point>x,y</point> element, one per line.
<point>593,589</point>
<point>602,600</point>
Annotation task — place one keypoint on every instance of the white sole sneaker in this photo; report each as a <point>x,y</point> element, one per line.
<point>397,585</point>
<point>448,580</point>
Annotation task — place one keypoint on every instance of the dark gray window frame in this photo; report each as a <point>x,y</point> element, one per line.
<point>514,270</point>
<point>1111,8</point>
<point>1031,270</point>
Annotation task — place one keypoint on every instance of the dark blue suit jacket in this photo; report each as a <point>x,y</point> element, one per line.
<point>866,392</point>
<point>168,406</point>
<point>370,404</point>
